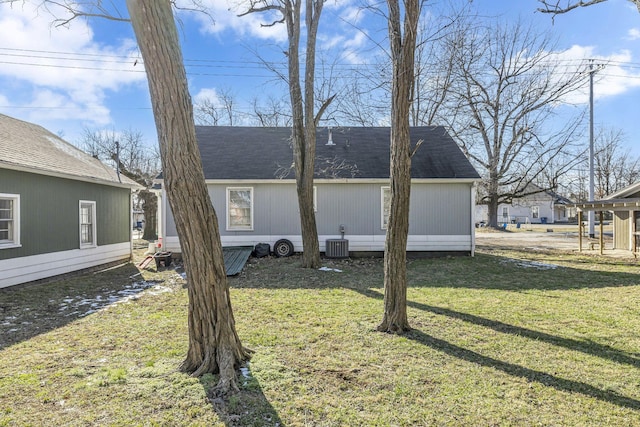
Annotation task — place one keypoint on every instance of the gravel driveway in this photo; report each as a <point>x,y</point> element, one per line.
<point>529,239</point>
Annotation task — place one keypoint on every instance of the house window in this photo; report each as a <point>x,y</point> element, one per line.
<point>385,196</point>
<point>9,221</point>
<point>535,212</point>
<point>87,224</point>
<point>505,214</point>
<point>240,208</point>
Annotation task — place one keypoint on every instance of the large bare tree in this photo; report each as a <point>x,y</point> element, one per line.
<point>402,41</point>
<point>304,118</point>
<point>214,345</point>
<point>507,87</point>
<point>218,110</point>
<point>128,154</point>
<point>272,112</point>
<point>615,167</point>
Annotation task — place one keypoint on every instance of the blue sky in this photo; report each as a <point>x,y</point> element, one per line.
<point>86,75</point>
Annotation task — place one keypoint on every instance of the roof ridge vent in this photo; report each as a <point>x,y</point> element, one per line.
<point>330,140</point>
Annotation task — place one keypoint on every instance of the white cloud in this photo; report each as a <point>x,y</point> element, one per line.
<point>207,94</point>
<point>352,15</point>
<point>611,77</point>
<point>633,34</point>
<point>223,16</point>
<point>67,72</point>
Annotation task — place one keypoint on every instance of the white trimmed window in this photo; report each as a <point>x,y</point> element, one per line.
<point>385,200</point>
<point>240,208</point>
<point>535,212</point>
<point>9,220</point>
<point>87,224</point>
<point>505,214</point>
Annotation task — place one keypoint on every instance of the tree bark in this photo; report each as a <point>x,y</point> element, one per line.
<point>214,346</point>
<point>403,45</point>
<point>150,209</point>
<point>304,126</point>
<point>304,121</point>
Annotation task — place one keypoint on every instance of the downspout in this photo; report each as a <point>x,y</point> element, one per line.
<point>473,218</point>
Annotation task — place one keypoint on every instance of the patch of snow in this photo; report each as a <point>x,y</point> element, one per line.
<point>67,148</point>
<point>244,370</point>
<point>330,269</point>
<point>85,306</point>
<point>533,264</point>
<point>156,290</point>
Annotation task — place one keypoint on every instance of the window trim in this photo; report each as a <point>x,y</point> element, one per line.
<point>507,217</point>
<point>94,241</point>
<point>384,226</point>
<point>236,228</point>
<point>315,198</point>
<point>535,212</point>
<point>15,241</point>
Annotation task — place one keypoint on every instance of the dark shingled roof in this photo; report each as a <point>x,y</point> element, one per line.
<point>231,152</point>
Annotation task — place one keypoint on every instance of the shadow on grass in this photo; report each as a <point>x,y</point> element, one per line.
<point>33,309</point>
<point>484,271</point>
<point>532,375</point>
<point>587,347</point>
<point>248,407</point>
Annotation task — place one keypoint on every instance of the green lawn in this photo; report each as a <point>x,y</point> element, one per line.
<point>501,339</point>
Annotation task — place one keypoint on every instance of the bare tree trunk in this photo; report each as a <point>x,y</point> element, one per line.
<point>492,211</point>
<point>214,346</point>
<point>304,127</point>
<point>311,255</point>
<point>304,122</point>
<point>150,209</point>
<point>403,46</point>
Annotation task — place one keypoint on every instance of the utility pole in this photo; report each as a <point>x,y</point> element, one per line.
<point>118,160</point>
<point>592,214</point>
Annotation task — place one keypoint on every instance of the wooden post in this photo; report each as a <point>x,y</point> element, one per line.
<point>601,232</point>
<point>634,234</point>
<point>579,231</point>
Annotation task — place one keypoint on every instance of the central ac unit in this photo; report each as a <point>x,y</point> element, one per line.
<point>337,248</point>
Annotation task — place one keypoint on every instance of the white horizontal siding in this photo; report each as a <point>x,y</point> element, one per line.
<point>26,269</point>
<point>362,243</point>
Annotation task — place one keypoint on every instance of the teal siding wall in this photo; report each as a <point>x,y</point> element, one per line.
<point>49,212</point>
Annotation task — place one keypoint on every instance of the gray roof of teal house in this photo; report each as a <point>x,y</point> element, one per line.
<point>29,147</point>
<point>234,153</point>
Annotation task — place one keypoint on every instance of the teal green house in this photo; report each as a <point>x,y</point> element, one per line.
<point>61,210</point>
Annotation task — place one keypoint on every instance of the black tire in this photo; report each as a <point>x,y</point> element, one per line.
<point>283,248</point>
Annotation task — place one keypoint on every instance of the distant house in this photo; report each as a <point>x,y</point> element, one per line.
<point>251,183</point>
<point>543,207</point>
<point>625,205</point>
<point>61,210</point>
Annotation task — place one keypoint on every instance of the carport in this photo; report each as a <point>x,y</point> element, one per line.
<point>626,222</point>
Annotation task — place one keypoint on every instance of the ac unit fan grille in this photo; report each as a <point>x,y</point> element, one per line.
<point>337,248</point>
